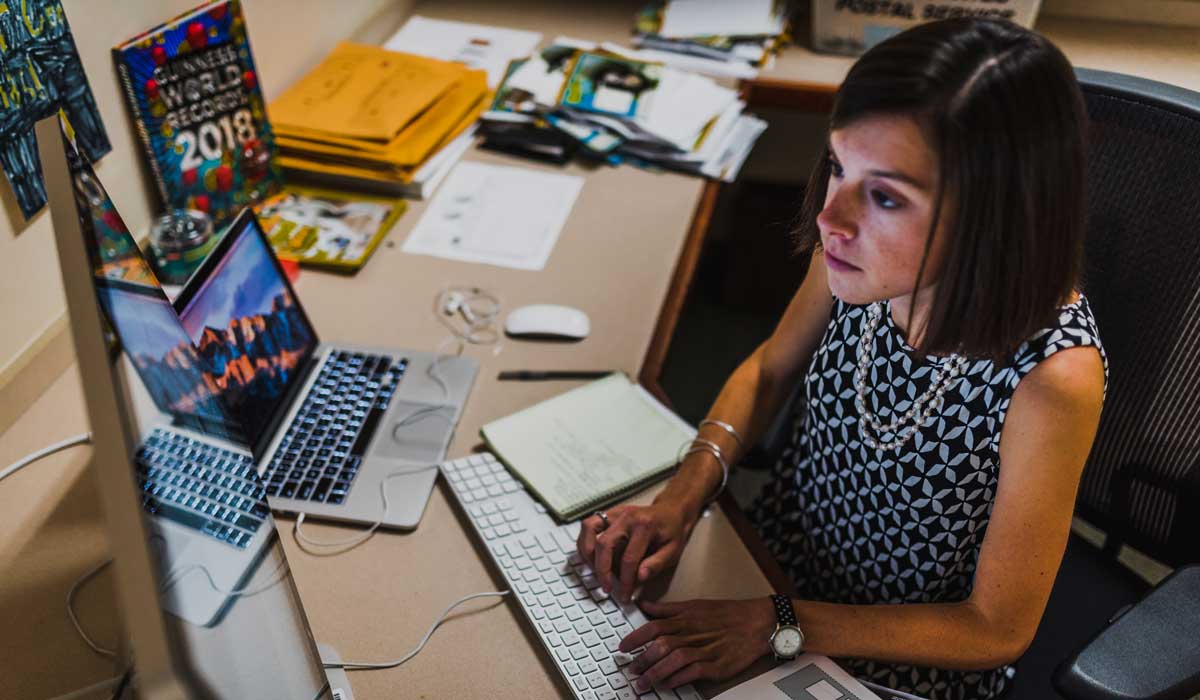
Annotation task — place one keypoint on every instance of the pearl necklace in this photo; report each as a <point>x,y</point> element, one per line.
<point>907,424</point>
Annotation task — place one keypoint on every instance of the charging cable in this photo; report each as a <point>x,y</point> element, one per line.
<point>365,666</point>
<point>81,439</point>
<point>345,545</point>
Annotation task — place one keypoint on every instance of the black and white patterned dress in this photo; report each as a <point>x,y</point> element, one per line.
<point>855,525</point>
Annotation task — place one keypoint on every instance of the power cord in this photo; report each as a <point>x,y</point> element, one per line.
<point>75,619</point>
<point>81,439</point>
<point>345,545</point>
<point>366,666</point>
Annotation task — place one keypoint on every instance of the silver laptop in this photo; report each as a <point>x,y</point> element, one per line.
<point>330,426</point>
<point>207,522</point>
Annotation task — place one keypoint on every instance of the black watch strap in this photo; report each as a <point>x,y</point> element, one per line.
<point>785,614</point>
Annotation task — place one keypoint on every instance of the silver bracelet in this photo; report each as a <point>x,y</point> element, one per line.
<point>713,449</point>
<point>727,428</point>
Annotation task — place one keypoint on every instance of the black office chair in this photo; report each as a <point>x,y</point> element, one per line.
<point>1141,485</point>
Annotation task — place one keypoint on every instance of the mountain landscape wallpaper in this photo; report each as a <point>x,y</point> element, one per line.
<point>248,331</point>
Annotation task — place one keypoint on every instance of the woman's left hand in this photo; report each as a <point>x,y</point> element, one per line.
<point>699,640</point>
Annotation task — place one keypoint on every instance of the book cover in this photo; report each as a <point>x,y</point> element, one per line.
<point>193,90</point>
<point>611,85</point>
<point>326,228</point>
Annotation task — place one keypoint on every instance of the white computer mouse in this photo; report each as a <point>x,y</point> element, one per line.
<point>547,321</point>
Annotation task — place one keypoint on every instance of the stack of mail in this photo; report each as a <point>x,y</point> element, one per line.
<point>715,37</point>
<point>602,102</point>
<point>368,118</point>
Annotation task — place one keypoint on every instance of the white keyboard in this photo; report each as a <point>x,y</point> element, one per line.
<point>579,624</point>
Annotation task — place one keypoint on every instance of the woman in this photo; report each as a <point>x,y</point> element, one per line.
<point>923,504</point>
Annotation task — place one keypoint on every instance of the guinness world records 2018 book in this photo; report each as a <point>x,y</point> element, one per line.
<point>194,95</point>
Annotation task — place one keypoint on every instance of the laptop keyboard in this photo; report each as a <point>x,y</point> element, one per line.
<point>579,624</point>
<point>320,453</point>
<point>201,486</point>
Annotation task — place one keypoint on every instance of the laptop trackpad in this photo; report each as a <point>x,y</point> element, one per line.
<point>416,432</point>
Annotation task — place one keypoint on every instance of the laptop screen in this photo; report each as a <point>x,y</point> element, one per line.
<point>142,318</point>
<point>170,368</point>
<point>245,321</point>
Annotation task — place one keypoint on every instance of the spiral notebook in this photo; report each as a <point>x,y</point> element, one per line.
<point>590,447</point>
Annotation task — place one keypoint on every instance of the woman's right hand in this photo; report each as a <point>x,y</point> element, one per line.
<point>639,543</point>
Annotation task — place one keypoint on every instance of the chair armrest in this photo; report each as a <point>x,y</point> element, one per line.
<point>1150,652</point>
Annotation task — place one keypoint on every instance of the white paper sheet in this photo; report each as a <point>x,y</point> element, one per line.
<point>691,18</point>
<point>807,677</point>
<point>476,45</point>
<point>496,215</point>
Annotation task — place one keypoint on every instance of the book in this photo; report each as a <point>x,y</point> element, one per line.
<point>590,447</point>
<point>194,94</point>
<point>326,228</point>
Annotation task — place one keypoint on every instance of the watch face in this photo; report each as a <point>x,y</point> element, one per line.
<point>787,641</point>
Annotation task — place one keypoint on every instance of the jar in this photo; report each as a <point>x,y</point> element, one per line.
<point>180,240</point>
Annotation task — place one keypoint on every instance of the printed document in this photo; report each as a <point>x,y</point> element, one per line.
<point>496,215</point>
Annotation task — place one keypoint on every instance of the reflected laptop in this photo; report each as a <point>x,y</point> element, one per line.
<point>207,515</point>
<point>261,645</point>
<point>330,426</point>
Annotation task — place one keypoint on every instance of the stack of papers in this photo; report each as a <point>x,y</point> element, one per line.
<point>715,37</point>
<point>378,120</point>
<point>473,45</point>
<point>604,102</point>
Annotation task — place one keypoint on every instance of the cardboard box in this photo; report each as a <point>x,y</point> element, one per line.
<point>853,26</point>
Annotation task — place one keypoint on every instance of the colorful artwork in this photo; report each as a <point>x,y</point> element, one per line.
<point>248,328</point>
<point>193,89</point>
<point>323,228</point>
<point>41,75</point>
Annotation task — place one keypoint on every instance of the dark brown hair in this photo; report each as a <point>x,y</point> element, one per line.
<point>1004,115</point>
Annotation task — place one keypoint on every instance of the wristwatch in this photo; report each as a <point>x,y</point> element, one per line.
<point>787,639</point>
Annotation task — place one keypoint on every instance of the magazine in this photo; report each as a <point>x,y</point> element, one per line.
<point>327,228</point>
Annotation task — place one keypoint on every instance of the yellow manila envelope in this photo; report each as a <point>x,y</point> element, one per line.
<point>412,146</point>
<point>364,92</point>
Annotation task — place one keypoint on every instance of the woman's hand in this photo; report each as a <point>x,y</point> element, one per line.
<point>699,640</point>
<point>638,544</point>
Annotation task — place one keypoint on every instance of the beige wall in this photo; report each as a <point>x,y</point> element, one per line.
<point>287,36</point>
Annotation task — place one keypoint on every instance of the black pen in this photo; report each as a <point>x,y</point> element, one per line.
<point>540,375</point>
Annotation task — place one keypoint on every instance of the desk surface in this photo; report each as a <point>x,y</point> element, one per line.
<point>614,260</point>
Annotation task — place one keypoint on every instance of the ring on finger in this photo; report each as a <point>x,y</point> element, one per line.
<point>603,519</point>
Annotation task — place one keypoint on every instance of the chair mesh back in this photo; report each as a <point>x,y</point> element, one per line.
<point>1142,278</point>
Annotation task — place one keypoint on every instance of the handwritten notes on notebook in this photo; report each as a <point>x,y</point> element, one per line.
<point>591,446</point>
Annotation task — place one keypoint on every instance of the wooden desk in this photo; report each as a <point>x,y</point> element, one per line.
<point>627,232</point>
<point>613,260</point>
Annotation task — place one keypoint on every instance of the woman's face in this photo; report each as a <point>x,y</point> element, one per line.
<point>878,207</point>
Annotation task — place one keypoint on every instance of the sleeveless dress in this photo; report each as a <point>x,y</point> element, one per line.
<point>851,524</point>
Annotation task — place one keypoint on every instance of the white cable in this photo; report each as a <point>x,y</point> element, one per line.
<point>25,461</point>
<point>352,542</point>
<point>173,578</point>
<point>358,666</point>
<point>71,609</point>
<point>477,307</point>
